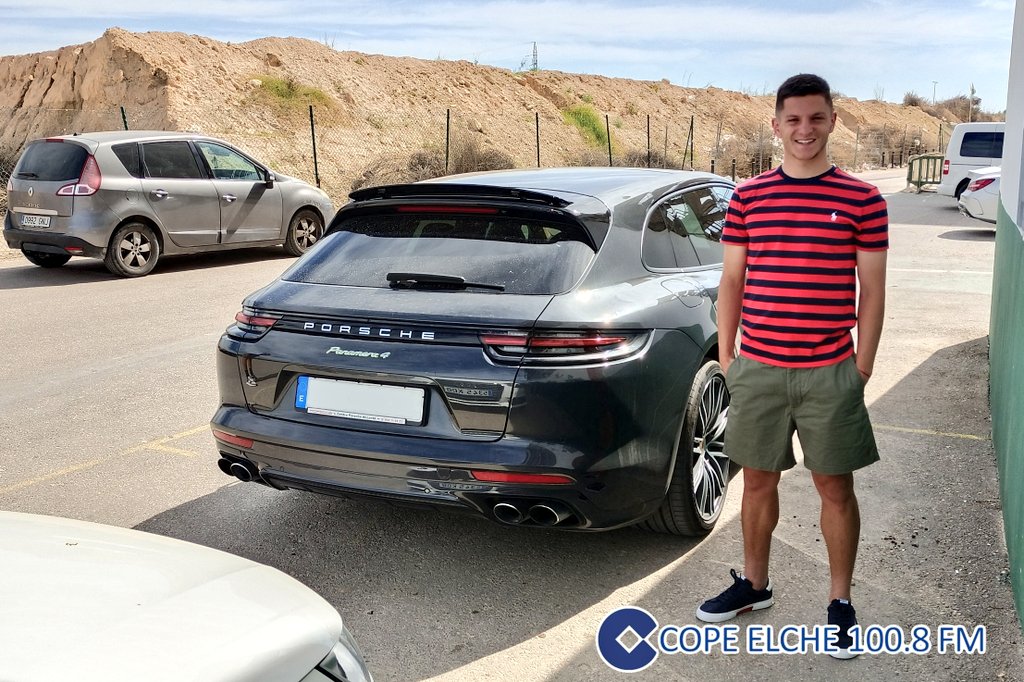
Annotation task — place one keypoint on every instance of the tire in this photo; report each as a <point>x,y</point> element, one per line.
<point>45,260</point>
<point>700,477</point>
<point>960,188</point>
<point>305,229</point>
<point>133,250</point>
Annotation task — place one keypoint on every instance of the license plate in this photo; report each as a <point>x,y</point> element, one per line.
<point>35,221</point>
<point>357,400</point>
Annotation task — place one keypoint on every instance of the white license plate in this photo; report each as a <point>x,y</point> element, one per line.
<point>35,221</point>
<point>356,400</point>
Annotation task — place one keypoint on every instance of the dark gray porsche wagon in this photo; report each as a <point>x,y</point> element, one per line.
<point>536,346</point>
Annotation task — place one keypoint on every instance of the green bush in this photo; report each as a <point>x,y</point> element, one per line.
<point>589,122</point>
<point>289,92</point>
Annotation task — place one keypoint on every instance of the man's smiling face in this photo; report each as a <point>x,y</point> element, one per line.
<point>803,125</point>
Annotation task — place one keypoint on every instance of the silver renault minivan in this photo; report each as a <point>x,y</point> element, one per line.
<point>129,197</point>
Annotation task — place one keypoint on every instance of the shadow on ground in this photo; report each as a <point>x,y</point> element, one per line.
<point>432,594</point>
<point>24,275</point>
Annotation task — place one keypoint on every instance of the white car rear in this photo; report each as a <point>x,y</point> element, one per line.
<point>981,198</point>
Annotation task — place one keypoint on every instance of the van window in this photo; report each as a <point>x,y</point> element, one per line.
<point>982,145</point>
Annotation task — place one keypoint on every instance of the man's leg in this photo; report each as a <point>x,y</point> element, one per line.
<point>840,525</point>
<point>759,514</point>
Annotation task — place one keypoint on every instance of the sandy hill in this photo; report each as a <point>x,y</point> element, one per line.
<point>375,115</point>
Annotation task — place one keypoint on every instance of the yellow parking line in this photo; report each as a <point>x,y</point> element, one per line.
<point>173,451</point>
<point>53,474</point>
<point>927,432</point>
<point>157,444</point>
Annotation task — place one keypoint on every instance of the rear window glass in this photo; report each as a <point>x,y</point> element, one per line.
<point>524,256</point>
<point>984,145</point>
<point>128,155</point>
<point>51,162</point>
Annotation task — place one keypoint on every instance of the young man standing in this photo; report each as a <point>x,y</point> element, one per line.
<point>798,240</point>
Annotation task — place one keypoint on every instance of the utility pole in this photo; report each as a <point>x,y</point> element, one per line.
<point>970,104</point>
<point>534,66</point>
<point>934,85</point>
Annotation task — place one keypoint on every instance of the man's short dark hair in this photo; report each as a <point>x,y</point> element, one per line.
<point>801,85</point>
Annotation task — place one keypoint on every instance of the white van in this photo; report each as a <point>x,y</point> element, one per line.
<point>971,145</point>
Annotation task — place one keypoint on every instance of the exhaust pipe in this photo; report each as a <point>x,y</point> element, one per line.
<point>243,471</point>
<point>506,512</point>
<point>549,514</point>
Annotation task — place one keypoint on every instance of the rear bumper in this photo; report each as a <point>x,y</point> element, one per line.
<point>47,242</point>
<point>436,474</point>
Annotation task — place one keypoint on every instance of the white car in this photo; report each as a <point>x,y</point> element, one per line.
<point>981,198</point>
<point>88,602</point>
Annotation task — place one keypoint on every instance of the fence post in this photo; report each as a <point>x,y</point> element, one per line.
<point>124,118</point>
<point>734,170</point>
<point>856,149</point>
<point>608,134</point>
<point>712,165</point>
<point>536,116</point>
<point>883,144</point>
<point>312,133</point>
<point>760,150</point>
<point>648,140</point>
<point>664,156</point>
<point>690,137</point>
<point>447,137</point>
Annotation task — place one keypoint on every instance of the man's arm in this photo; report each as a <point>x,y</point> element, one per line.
<point>870,308</point>
<point>730,301</point>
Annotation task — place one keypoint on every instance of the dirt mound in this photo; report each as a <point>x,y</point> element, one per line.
<point>370,107</point>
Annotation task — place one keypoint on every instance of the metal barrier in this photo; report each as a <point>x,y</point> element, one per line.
<point>925,169</point>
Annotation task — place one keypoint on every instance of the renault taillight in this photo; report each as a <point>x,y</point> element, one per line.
<point>88,181</point>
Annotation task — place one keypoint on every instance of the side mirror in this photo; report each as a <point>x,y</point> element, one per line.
<point>271,179</point>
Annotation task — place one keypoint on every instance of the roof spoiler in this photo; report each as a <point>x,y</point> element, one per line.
<point>453,190</point>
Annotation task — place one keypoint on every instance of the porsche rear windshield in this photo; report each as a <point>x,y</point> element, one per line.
<point>517,255</point>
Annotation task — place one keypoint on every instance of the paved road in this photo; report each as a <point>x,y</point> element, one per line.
<point>108,386</point>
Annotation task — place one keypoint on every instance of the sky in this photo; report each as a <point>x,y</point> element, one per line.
<point>868,49</point>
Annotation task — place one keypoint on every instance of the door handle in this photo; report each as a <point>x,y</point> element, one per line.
<point>228,197</point>
<point>159,193</point>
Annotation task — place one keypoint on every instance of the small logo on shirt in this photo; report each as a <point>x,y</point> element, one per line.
<point>833,216</point>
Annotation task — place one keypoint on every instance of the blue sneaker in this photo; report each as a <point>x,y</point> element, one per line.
<point>842,613</point>
<point>739,598</point>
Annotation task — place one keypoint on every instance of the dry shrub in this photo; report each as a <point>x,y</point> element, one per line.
<point>912,99</point>
<point>423,164</point>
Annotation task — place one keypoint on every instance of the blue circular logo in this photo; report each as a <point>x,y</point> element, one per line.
<point>622,639</point>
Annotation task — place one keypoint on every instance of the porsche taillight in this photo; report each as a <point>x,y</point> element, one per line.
<point>563,347</point>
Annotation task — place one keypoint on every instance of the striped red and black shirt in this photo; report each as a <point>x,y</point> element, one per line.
<point>802,236</point>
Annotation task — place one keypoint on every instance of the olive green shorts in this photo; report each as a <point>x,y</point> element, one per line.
<point>824,406</point>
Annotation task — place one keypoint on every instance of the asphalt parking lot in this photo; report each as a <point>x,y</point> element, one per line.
<point>109,385</point>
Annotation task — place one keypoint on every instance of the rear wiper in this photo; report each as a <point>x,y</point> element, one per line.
<point>419,280</point>
<point>24,174</point>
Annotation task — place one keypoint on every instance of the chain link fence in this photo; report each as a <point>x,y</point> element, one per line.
<point>344,149</point>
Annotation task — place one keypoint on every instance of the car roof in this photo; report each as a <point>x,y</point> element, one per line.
<point>114,136</point>
<point>611,185</point>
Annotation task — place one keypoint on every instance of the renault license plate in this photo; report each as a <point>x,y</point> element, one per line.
<point>35,220</point>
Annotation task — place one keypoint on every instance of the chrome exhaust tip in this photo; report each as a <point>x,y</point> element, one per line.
<point>506,512</point>
<point>244,472</point>
<point>548,514</point>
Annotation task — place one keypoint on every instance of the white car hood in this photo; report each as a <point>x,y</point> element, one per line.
<point>87,602</point>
